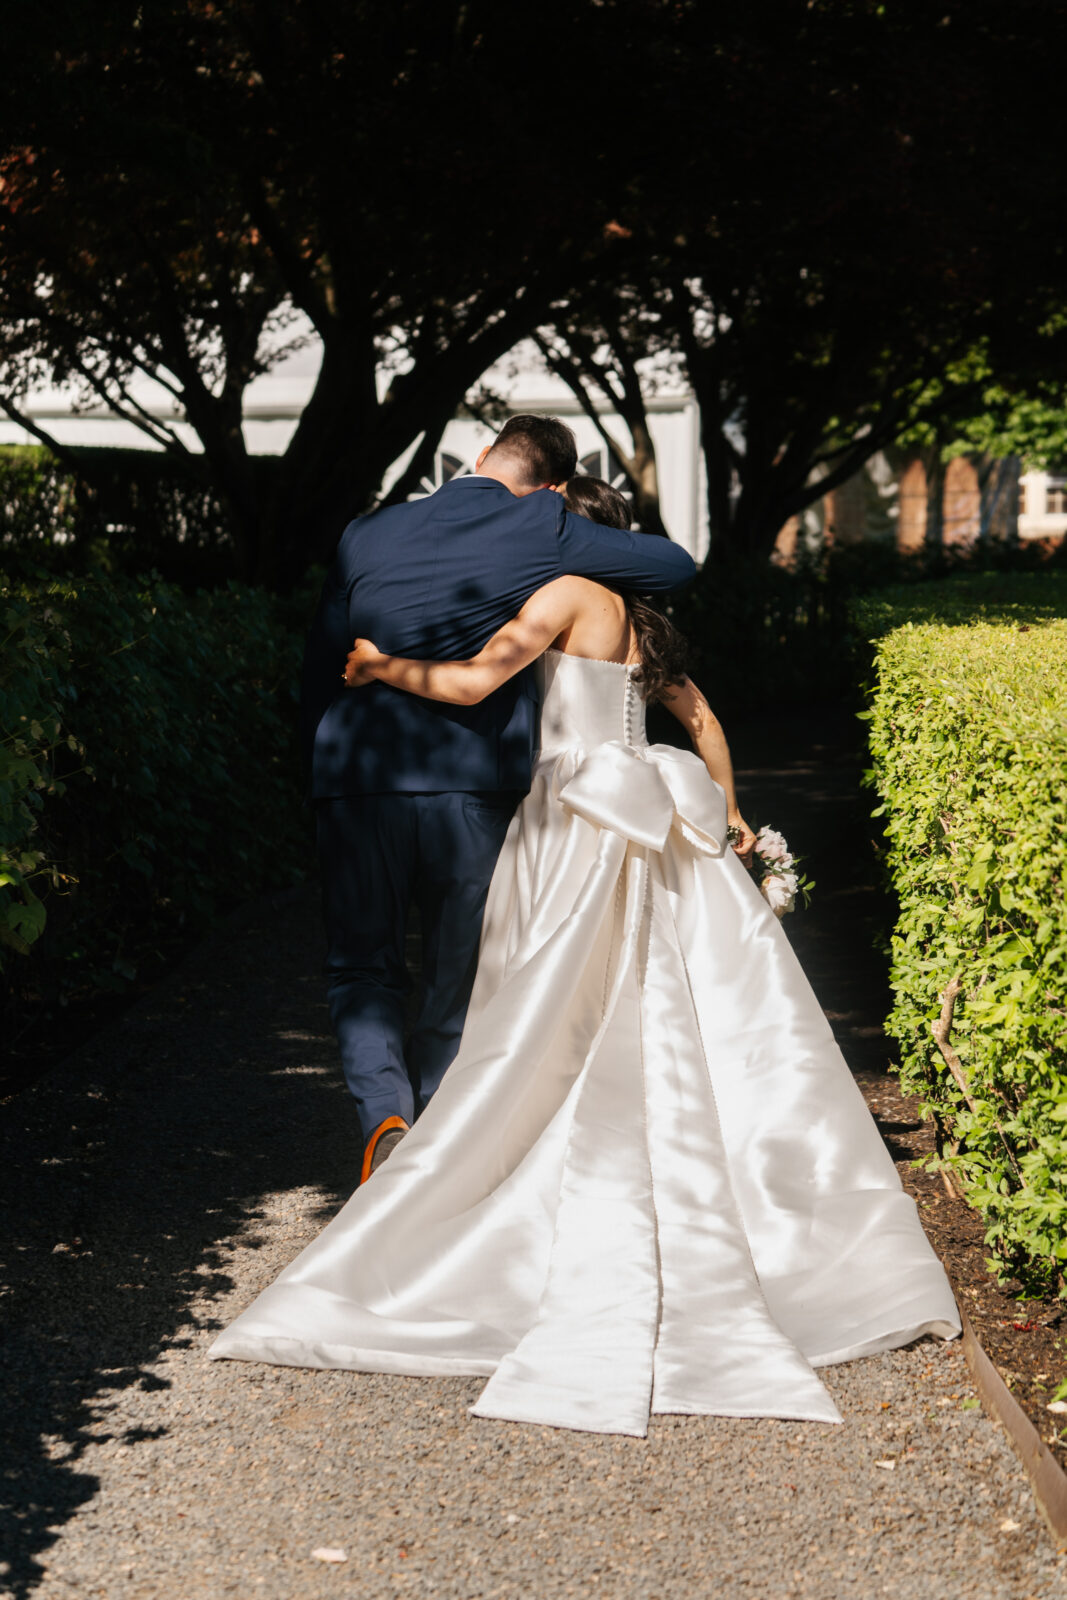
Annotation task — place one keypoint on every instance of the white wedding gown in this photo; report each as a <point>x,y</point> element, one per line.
<point>648,1183</point>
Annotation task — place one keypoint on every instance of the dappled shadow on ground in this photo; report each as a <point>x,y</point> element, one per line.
<point>899,1136</point>
<point>121,1171</point>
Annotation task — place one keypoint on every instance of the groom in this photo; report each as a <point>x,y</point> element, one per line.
<point>413,797</point>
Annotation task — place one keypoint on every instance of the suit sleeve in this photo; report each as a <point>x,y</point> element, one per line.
<point>639,561</point>
<point>328,643</point>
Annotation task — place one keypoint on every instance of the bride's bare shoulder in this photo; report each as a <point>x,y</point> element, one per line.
<point>569,594</point>
<point>600,625</point>
<point>581,598</point>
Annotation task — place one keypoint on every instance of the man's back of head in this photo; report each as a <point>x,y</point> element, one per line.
<point>530,453</point>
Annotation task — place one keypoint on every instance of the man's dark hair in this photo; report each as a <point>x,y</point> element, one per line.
<point>597,500</point>
<point>542,449</point>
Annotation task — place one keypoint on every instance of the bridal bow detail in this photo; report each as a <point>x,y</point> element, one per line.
<point>641,792</point>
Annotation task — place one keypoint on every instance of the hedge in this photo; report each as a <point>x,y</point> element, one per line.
<point>767,637</point>
<point>1019,597</point>
<point>968,735</point>
<point>128,510</point>
<point>147,770</point>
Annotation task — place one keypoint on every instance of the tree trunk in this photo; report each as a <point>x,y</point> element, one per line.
<point>998,483</point>
<point>579,369</point>
<point>421,464</point>
<point>934,537</point>
<point>756,521</point>
<point>718,472</point>
<point>643,472</point>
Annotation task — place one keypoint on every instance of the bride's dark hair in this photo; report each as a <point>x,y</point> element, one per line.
<point>662,649</point>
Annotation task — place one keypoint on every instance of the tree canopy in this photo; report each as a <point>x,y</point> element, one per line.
<point>863,208</point>
<point>814,205</point>
<point>181,178</point>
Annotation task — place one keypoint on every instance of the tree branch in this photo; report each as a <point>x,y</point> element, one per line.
<point>566,372</point>
<point>62,452</point>
<point>293,268</point>
<point>941,1030</point>
<point>141,418</point>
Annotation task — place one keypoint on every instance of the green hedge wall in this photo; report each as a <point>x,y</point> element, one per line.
<point>765,637</point>
<point>147,770</point>
<point>131,510</point>
<point>968,734</point>
<point>1019,597</point>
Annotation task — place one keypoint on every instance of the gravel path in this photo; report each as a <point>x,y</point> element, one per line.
<point>159,1180</point>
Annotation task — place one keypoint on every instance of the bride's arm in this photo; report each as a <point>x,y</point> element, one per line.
<point>685,701</point>
<point>464,683</point>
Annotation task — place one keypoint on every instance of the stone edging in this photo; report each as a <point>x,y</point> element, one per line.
<point>1047,1478</point>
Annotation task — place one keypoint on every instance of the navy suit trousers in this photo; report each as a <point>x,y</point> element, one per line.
<point>380,854</point>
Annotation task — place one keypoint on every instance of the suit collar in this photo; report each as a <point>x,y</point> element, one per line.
<point>474,477</point>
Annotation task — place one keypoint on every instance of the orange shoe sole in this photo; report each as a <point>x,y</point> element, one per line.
<point>372,1142</point>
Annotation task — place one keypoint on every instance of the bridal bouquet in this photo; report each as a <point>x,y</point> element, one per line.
<point>777,875</point>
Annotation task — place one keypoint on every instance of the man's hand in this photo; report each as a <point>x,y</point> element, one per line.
<point>362,659</point>
<point>745,845</point>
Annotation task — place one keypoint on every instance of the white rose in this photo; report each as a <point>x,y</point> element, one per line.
<point>773,848</point>
<point>779,889</point>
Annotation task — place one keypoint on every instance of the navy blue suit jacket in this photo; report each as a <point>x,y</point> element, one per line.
<point>435,579</point>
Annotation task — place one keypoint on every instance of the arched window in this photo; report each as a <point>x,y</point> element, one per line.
<point>604,463</point>
<point>444,468</point>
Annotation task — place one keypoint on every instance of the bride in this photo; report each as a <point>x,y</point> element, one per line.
<point>648,1183</point>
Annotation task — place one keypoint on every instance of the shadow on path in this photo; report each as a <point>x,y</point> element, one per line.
<point>802,774</point>
<point>120,1171</point>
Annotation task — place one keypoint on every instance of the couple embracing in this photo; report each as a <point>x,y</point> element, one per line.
<point>619,1167</point>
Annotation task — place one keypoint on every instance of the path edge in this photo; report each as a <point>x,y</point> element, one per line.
<point>1047,1478</point>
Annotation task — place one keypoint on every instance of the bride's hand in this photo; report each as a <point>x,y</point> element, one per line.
<point>745,845</point>
<point>362,659</point>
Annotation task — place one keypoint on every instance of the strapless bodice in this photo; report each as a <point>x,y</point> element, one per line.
<point>587,703</point>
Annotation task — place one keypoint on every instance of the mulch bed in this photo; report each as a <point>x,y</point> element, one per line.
<point>1025,1339</point>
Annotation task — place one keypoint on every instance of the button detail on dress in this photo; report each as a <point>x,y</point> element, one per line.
<point>628,700</point>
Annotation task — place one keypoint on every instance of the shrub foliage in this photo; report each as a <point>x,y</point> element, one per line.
<point>765,636</point>
<point>120,510</point>
<point>147,770</point>
<point>968,733</point>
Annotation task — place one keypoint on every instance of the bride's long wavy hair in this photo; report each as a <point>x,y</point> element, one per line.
<point>662,648</point>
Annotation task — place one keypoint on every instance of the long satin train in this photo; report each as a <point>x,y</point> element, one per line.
<point>648,1183</point>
